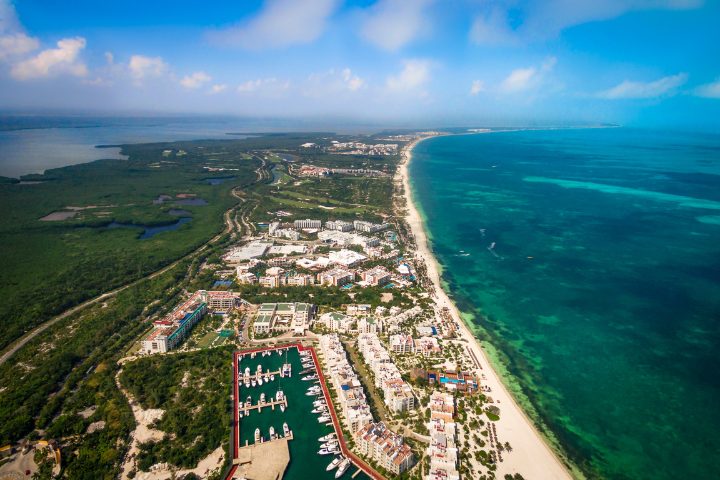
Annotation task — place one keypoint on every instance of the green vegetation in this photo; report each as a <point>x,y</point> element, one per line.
<point>49,266</point>
<point>194,390</point>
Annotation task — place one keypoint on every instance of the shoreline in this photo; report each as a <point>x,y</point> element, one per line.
<point>532,456</point>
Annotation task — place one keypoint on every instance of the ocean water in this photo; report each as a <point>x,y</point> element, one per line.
<point>591,260</point>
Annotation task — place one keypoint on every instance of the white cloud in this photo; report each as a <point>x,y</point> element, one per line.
<point>17,44</point>
<point>61,60</point>
<point>142,67</point>
<point>281,23</point>
<point>415,74</point>
<point>13,39</point>
<point>196,80</point>
<point>218,88</point>
<point>476,87</point>
<point>709,90</point>
<point>662,87</point>
<point>522,79</point>
<point>544,19</point>
<point>269,85</point>
<point>353,82</point>
<point>392,24</point>
<point>109,58</point>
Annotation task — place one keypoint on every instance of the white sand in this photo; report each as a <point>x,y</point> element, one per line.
<point>531,455</point>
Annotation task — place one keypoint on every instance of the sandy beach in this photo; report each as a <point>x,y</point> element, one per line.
<point>531,455</point>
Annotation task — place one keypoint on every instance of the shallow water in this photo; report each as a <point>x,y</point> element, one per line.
<point>602,289</point>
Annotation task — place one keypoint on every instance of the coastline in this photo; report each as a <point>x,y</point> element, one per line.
<point>532,456</point>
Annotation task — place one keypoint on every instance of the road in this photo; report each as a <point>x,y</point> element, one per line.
<point>230,226</point>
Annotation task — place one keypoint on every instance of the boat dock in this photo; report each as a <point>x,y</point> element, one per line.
<point>259,406</point>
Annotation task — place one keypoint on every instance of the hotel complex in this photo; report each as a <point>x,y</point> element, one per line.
<point>283,317</point>
<point>376,441</point>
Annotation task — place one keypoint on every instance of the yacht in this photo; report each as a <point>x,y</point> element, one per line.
<point>262,398</point>
<point>247,383</point>
<point>319,410</point>
<point>319,403</point>
<point>325,451</point>
<point>247,371</point>
<point>248,401</point>
<point>257,435</point>
<point>326,438</point>
<point>324,418</point>
<point>272,378</point>
<point>282,408</point>
<point>310,377</point>
<point>286,429</point>
<point>330,444</point>
<point>259,381</point>
<point>336,461</point>
<point>252,382</point>
<point>272,433</point>
<point>279,395</point>
<point>341,469</point>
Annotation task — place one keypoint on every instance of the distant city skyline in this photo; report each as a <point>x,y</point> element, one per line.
<point>634,62</point>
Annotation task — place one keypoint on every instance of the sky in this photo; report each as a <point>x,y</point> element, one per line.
<point>440,62</point>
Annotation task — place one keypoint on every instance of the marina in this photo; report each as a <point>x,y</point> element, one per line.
<point>289,419</point>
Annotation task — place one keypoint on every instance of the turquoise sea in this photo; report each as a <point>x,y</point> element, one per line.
<point>602,291</point>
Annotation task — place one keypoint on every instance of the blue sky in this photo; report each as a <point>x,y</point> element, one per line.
<point>637,62</point>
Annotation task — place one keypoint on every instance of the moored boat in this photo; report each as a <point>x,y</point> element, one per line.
<point>286,429</point>
<point>336,461</point>
<point>342,467</point>
<point>257,435</point>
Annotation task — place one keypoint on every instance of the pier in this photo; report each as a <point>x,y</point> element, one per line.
<point>259,406</point>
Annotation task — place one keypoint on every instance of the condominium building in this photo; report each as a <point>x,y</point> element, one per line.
<point>369,227</point>
<point>348,258</point>
<point>337,277</point>
<point>220,301</point>
<point>401,344</point>
<point>339,225</point>
<point>336,322</point>
<point>308,224</point>
<point>378,275</point>
<point>397,393</point>
<point>388,449</point>
<point>351,396</point>
<point>169,332</point>
<point>370,324</point>
<point>442,451</point>
<point>427,346</point>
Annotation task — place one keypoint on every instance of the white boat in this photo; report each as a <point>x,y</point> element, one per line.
<point>240,414</point>
<point>262,398</point>
<point>286,429</point>
<point>319,403</point>
<point>327,437</point>
<point>257,435</point>
<point>247,371</point>
<point>282,408</point>
<point>318,410</point>
<point>341,469</point>
<point>330,444</point>
<point>336,461</point>
<point>272,378</point>
<point>247,384</point>
<point>272,433</point>
<point>279,395</point>
<point>310,377</point>
<point>323,418</point>
<point>325,451</point>
<point>252,382</point>
<point>259,381</point>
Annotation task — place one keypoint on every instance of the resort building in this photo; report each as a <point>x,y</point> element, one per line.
<point>176,326</point>
<point>369,227</point>
<point>337,322</point>
<point>427,346</point>
<point>401,344</point>
<point>463,382</point>
<point>397,394</point>
<point>376,276</point>
<point>308,224</point>
<point>442,451</point>
<point>388,449</point>
<point>247,278</point>
<point>339,225</point>
<point>254,249</point>
<point>359,309</point>
<point>220,301</point>
<point>337,277</point>
<point>283,317</point>
<point>347,238</point>
<point>347,258</point>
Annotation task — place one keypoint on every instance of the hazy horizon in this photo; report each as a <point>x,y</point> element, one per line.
<point>414,62</point>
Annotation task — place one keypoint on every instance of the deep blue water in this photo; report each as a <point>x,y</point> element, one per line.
<point>592,262</point>
<point>149,232</point>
